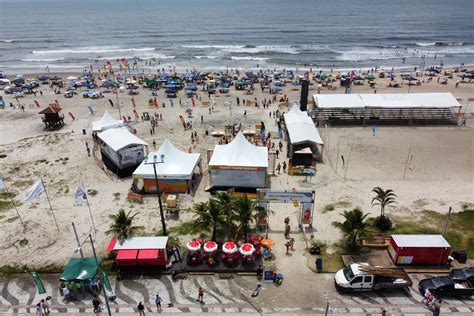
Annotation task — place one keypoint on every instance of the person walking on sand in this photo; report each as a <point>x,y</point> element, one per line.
<point>284,166</point>
<point>200,295</point>
<point>278,168</point>
<point>158,303</point>
<point>141,309</point>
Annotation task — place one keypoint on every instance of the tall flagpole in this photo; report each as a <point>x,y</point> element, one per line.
<point>89,207</point>
<point>13,202</point>
<point>51,208</point>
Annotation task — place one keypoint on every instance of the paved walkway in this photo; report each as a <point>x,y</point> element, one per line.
<point>18,295</point>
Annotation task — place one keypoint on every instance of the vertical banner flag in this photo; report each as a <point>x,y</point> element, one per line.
<point>80,195</point>
<point>2,183</point>
<point>155,103</point>
<point>34,191</point>
<point>39,283</point>
<point>133,103</point>
<point>193,102</point>
<point>37,103</point>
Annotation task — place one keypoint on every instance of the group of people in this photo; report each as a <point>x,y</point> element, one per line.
<point>433,302</point>
<point>42,308</point>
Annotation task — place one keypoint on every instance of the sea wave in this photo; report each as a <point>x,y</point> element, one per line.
<point>41,59</point>
<point>249,58</point>
<point>91,50</point>
<point>248,49</point>
<point>130,55</point>
<point>7,41</point>
<point>206,57</point>
<point>424,44</point>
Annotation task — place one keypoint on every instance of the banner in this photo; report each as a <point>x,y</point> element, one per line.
<point>284,197</point>
<point>39,283</point>
<point>306,210</point>
<point>72,116</point>
<point>34,191</point>
<point>37,104</point>
<point>133,103</point>
<point>2,183</point>
<point>80,195</point>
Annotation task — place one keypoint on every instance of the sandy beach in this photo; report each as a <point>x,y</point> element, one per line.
<point>440,173</point>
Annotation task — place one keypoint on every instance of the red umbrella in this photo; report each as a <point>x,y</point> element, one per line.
<point>229,247</point>
<point>247,249</point>
<point>193,245</point>
<point>210,246</point>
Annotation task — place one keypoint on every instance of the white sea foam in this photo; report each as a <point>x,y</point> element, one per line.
<point>285,49</point>
<point>426,44</point>
<point>41,59</point>
<point>7,41</point>
<point>249,58</point>
<point>91,50</point>
<point>206,57</point>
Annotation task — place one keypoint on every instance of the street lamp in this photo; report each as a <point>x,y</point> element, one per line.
<point>79,248</point>
<point>154,162</point>
<point>326,297</point>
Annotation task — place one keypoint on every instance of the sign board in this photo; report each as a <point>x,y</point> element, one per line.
<point>284,197</point>
<point>268,276</point>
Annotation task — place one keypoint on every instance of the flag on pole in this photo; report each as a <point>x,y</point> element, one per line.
<point>34,191</point>
<point>80,195</point>
<point>193,102</point>
<point>133,103</point>
<point>155,103</point>
<point>2,183</point>
<point>72,116</point>
<point>37,103</point>
<point>39,283</point>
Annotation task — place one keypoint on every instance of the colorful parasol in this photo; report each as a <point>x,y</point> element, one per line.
<point>267,242</point>
<point>229,247</point>
<point>210,246</point>
<point>247,249</point>
<point>193,245</point>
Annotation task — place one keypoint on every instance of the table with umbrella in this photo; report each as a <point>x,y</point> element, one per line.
<point>230,254</point>
<point>210,254</point>
<point>246,251</point>
<point>194,256</point>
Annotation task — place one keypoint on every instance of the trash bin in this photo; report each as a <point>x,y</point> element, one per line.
<point>319,264</point>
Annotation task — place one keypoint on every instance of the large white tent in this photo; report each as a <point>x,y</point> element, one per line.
<point>121,150</point>
<point>107,121</point>
<point>301,127</point>
<point>239,164</point>
<point>175,173</point>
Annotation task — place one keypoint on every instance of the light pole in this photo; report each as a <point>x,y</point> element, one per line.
<point>327,303</point>
<point>154,162</point>
<point>97,268</point>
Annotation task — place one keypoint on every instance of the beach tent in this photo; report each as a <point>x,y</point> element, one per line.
<point>107,121</point>
<point>121,150</point>
<point>302,133</point>
<point>177,173</point>
<point>80,269</point>
<point>239,164</point>
<point>141,251</point>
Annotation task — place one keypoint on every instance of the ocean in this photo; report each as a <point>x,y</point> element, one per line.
<point>69,35</point>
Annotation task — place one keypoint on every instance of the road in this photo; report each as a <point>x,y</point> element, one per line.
<point>18,295</point>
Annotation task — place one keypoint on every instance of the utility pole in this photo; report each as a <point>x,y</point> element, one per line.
<point>163,223</point>
<point>347,164</point>
<point>446,224</point>
<point>77,240</point>
<point>103,280</point>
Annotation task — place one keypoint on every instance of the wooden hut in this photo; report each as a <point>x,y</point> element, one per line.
<point>52,118</point>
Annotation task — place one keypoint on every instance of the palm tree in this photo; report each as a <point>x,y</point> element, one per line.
<point>354,227</point>
<point>383,198</point>
<point>121,227</point>
<point>245,212</point>
<point>209,216</point>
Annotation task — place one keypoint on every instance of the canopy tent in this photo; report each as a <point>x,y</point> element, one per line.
<point>141,251</point>
<point>239,164</point>
<point>413,106</point>
<point>107,121</point>
<point>82,269</point>
<point>175,174</point>
<point>302,133</point>
<point>121,151</point>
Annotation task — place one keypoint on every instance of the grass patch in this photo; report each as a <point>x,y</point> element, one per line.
<point>332,262</point>
<point>7,195</point>
<point>329,207</point>
<point>23,242</point>
<point>116,196</point>
<point>186,228</point>
<point>12,219</point>
<point>92,192</point>
<point>341,204</point>
<point>466,206</point>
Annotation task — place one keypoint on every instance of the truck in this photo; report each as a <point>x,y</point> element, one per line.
<point>363,277</point>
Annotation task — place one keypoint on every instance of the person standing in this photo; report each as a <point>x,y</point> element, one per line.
<point>200,295</point>
<point>141,309</point>
<point>259,272</point>
<point>96,304</point>
<point>45,306</point>
<point>158,303</point>
<point>39,310</point>
<point>284,166</point>
<point>437,307</point>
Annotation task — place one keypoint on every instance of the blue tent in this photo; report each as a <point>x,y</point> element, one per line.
<point>411,78</point>
<point>170,86</point>
<point>43,78</point>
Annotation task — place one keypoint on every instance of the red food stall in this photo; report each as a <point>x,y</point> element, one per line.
<point>141,251</point>
<point>419,249</point>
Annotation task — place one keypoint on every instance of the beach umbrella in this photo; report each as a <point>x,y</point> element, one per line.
<point>267,243</point>
<point>370,77</point>
<point>247,249</point>
<point>210,246</point>
<point>193,245</point>
<point>55,78</point>
<point>170,86</point>
<point>359,78</point>
<point>229,247</point>
<point>43,78</point>
<point>410,78</point>
<point>170,91</point>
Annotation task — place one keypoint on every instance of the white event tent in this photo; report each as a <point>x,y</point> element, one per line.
<point>107,121</point>
<point>239,164</point>
<point>121,150</point>
<point>177,172</point>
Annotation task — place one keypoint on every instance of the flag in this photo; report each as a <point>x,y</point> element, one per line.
<point>155,103</point>
<point>37,103</point>
<point>72,116</point>
<point>39,283</point>
<point>193,102</point>
<point>111,103</point>
<point>133,103</point>
<point>2,183</point>
<point>35,191</point>
<point>171,103</point>
<point>81,194</point>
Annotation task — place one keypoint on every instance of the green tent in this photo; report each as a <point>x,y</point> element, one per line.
<point>82,269</point>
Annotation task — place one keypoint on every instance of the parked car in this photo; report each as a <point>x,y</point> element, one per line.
<point>445,286</point>
<point>462,275</point>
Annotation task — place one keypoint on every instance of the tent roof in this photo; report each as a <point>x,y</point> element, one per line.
<point>51,110</point>
<point>148,254</point>
<point>177,163</point>
<point>138,243</point>
<point>118,138</point>
<point>126,254</point>
<point>240,153</point>
<point>107,121</point>
<point>420,241</point>
<point>301,127</point>
<point>80,269</point>
<point>411,100</point>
